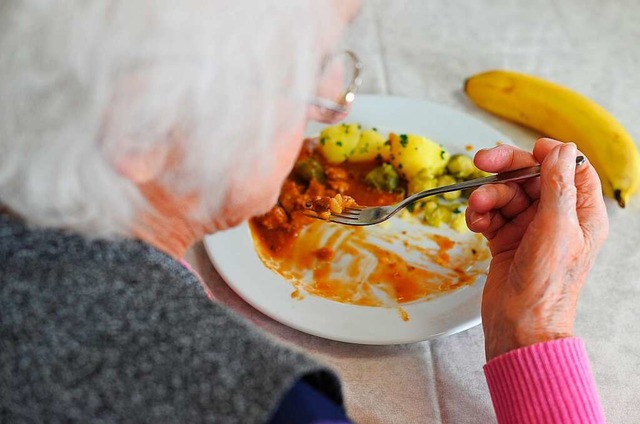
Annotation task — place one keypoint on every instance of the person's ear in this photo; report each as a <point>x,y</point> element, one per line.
<point>143,167</point>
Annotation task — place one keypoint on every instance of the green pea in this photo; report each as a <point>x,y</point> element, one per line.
<point>384,178</point>
<point>309,169</point>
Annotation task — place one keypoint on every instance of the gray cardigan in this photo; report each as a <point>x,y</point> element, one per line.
<point>116,331</point>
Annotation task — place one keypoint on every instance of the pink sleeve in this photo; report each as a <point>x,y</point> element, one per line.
<point>547,382</point>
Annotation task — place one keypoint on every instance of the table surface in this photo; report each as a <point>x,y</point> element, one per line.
<point>425,50</point>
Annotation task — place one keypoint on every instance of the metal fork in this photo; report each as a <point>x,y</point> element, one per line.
<point>376,214</point>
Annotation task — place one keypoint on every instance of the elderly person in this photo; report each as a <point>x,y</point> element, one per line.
<point>129,130</point>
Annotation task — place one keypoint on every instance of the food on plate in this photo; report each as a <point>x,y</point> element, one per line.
<point>378,265</point>
<point>399,164</point>
<point>402,164</point>
<point>566,115</point>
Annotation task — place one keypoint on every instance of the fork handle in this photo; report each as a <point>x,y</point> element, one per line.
<point>503,177</point>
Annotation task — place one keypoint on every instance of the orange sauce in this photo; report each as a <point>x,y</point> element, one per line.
<point>361,265</point>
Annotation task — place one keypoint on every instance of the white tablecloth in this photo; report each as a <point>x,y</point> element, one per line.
<point>425,49</point>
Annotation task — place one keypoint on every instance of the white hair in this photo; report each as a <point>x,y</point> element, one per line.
<point>84,83</point>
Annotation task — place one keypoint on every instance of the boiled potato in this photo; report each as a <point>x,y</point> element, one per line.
<point>477,173</point>
<point>438,216</point>
<point>445,180</point>
<point>412,153</point>
<point>458,223</point>
<point>421,181</point>
<point>461,166</point>
<point>372,145</point>
<point>430,206</point>
<point>338,142</point>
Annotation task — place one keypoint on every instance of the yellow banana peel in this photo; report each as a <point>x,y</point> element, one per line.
<point>565,115</point>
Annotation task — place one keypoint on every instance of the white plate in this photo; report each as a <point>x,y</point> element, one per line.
<point>232,252</point>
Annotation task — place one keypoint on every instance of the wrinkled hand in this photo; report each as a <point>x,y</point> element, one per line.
<point>544,235</point>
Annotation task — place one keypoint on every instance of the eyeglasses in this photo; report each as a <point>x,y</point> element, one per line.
<point>337,87</point>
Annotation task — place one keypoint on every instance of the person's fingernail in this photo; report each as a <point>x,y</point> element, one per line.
<point>488,149</point>
<point>475,218</point>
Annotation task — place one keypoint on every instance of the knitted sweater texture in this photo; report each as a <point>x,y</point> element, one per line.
<point>117,331</point>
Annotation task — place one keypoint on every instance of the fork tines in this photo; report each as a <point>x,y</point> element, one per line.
<point>348,215</point>
<point>350,211</point>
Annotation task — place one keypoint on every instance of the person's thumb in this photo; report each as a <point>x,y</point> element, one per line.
<point>558,194</point>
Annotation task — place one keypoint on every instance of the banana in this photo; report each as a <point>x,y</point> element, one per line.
<point>565,115</point>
